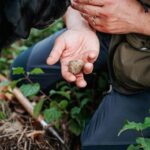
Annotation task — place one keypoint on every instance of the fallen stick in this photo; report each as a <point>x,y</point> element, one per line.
<point>29,108</point>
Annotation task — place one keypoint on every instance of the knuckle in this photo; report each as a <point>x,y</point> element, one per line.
<point>84,9</point>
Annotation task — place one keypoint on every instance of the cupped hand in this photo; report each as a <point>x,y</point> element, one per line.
<point>111,16</point>
<point>75,45</point>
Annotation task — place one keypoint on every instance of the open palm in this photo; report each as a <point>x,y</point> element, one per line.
<point>75,45</point>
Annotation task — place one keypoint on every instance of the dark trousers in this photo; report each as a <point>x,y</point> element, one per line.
<point>101,131</point>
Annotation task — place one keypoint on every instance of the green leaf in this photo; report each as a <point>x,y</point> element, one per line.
<point>18,71</point>
<point>37,108</point>
<point>131,126</point>
<point>52,114</point>
<point>75,111</point>
<point>65,88</point>
<point>14,83</point>
<point>3,115</point>
<point>30,89</point>
<point>136,126</point>
<point>61,84</point>
<point>36,71</point>
<point>84,102</point>
<point>146,123</point>
<point>74,128</point>
<point>63,104</point>
<point>132,147</point>
<point>61,93</point>
<point>53,104</point>
<point>144,142</point>
<point>4,83</point>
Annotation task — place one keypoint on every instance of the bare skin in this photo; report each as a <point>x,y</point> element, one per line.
<point>79,42</point>
<point>115,16</point>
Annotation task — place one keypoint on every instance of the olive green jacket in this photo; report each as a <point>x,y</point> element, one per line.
<point>129,61</point>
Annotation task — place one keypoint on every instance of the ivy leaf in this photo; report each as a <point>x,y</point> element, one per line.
<point>75,111</point>
<point>30,89</point>
<point>36,71</point>
<point>131,126</point>
<point>63,104</point>
<point>18,71</point>
<point>52,114</point>
<point>144,142</point>
<point>37,108</point>
<point>74,128</point>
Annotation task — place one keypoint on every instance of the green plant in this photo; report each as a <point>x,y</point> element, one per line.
<point>141,142</point>
<point>4,110</point>
<point>11,52</point>
<point>64,106</point>
<point>67,107</point>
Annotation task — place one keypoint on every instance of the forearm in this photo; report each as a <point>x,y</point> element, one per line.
<point>74,20</point>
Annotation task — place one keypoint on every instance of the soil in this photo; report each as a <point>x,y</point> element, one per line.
<point>20,132</point>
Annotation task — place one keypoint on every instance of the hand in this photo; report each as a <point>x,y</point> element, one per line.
<point>111,16</point>
<point>75,45</point>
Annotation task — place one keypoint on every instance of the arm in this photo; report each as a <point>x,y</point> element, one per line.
<point>78,42</point>
<point>116,17</point>
<point>74,20</point>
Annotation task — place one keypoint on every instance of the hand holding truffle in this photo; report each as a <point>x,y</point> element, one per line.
<point>77,51</point>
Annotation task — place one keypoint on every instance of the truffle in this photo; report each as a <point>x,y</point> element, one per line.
<point>75,66</point>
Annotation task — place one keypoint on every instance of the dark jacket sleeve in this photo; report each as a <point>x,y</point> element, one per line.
<point>17,17</point>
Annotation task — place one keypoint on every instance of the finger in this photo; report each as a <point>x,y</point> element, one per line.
<point>56,52</point>
<point>89,9</point>
<point>88,68</point>
<point>91,2</point>
<point>100,28</point>
<point>91,56</point>
<point>80,82</point>
<point>95,20</point>
<point>66,74</point>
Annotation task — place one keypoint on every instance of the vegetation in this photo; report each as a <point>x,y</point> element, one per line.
<point>65,107</point>
<point>141,142</point>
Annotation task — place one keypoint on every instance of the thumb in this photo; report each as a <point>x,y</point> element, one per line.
<point>56,52</point>
<point>92,56</point>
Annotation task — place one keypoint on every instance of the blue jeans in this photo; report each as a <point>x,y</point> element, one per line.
<point>35,57</point>
<point>101,131</point>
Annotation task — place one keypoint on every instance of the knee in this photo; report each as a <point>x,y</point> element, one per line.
<point>20,61</point>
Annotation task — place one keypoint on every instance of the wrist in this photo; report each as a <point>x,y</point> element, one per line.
<point>143,25</point>
<point>74,21</point>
